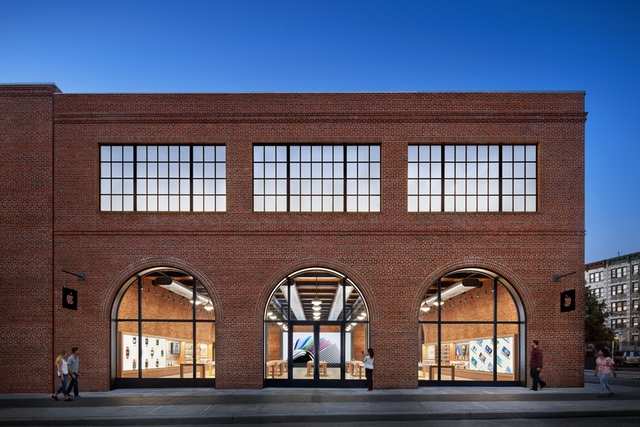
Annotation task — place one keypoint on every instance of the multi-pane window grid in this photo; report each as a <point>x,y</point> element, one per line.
<point>597,292</point>
<point>595,277</point>
<point>116,178</point>
<point>635,322</point>
<point>618,272</point>
<point>635,286</point>
<point>618,323</point>
<point>618,306</point>
<point>618,289</point>
<point>163,178</point>
<point>636,304</point>
<point>471,178</point>
<point>635,269</point>
<point>316,178</point>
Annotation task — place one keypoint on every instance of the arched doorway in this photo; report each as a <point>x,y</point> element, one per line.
<point>163,331</point>
<point>472,330</point>
<point>316,329</point>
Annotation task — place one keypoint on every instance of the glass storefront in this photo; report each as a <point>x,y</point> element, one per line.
<point>316,331</point>
<point>471,329</point>
<point>163,330</point>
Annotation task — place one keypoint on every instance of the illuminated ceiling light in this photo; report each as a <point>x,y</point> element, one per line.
<point>363,314</point>
<point>208,307</point>
<point>316,302</point>
<point>273,317</point>
<point>279,323</point>
<point>316,308</point>
<point>361,317</point>
<point>425,309</point>
<point>269,313</point>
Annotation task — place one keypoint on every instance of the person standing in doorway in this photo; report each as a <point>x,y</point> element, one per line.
<point>536,364</point>
<point>605,368</point>
<point>62,372</point>
<point>368,368</point>
<point>73,363</point>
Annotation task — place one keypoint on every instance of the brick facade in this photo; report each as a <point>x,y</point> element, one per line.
<point>51,221</point>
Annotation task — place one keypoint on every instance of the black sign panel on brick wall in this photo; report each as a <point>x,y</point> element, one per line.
<point>568,300</point>
<point>69,298</point>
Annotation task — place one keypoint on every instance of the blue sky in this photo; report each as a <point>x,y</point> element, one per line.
<point>241,46</point>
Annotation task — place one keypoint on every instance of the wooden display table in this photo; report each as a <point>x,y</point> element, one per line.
<point>322,366</point>
<point>357,366</point>
<point>434,367</point>
<point>198,365</point>
<point>276,365</point>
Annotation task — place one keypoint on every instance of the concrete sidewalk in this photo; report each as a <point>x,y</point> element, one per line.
<point>210,406</point>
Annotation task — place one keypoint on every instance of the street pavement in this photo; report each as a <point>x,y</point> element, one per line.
<point>438,406</point>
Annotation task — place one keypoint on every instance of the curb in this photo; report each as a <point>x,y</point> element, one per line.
<point>319,418</point>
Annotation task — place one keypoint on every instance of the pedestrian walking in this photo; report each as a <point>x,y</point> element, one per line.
<point>73,363</point>
<point>536,364</point>
<point>605,369</point>
<point>62,372</point>
<point>368,368</point>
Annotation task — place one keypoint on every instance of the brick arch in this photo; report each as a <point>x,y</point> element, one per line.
<point>134,268</point>
<point>272,281</point>
<point>522,296</point>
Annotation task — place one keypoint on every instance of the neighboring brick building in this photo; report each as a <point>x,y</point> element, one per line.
<point>390,169</point>
<point>616,282</point>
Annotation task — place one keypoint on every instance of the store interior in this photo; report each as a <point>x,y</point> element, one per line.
<point>164,329</point>
<point>469,316</point>
<point>321,305</point>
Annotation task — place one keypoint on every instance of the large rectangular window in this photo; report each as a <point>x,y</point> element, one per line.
<point>471,178</point>
<point>162,178</point>
<point>316,178</point>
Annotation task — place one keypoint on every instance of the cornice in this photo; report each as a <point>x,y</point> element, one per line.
<point>411,233</point>
<point>335,117</point>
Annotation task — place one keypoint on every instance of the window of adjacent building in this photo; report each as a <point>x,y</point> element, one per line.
<point>595,277</point>
<point>618,289</point>
<point>618,272</point>
<point>471,178</point>
<point>636,304</point>
<point>635,337</point>
<point>597,292</point>
<point>618,323</point>
<point>635,269</point>
<point>618,306</point>
<point>635,287</point>
<point>316,178</point>
<point>162,178</point>
<point>635,322</point>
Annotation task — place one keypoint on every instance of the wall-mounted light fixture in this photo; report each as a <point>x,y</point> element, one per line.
<point>81,276</point>
<point>556,278</point>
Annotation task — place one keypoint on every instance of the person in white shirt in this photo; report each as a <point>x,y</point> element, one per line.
<point>62,371</point>
<point>368,368</point>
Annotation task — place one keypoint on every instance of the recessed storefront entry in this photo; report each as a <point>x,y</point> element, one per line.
<point>316,331</point>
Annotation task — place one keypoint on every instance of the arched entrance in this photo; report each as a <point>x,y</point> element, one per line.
<point>316,329</point>
<point>163,331</point>
<point>472,331</point>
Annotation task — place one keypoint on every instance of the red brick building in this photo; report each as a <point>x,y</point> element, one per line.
<point>269,239</point>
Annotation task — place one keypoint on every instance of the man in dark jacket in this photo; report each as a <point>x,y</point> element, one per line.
<point>536,366</point>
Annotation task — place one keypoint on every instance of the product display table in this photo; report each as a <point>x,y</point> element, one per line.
<point>198,365</point>
<point>278,366</point>
<point>357,366</point>
<point>322,366</point>
<point>433,368</point>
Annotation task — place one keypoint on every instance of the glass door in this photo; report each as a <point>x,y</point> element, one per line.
<point>329,349</point>
<point>302,352</point>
